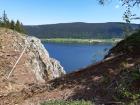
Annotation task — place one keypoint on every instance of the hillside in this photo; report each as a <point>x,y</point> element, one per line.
<point>113,81</point>
<point>24,61</point>
<point>79,30</point>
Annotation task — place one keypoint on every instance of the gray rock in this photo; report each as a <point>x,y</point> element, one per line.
<point>44,67</point>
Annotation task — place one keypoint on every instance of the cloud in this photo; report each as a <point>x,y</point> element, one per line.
<point>117,6</point>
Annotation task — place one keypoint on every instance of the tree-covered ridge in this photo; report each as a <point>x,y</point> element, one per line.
<point>80,30</point>
<point>11,24</point>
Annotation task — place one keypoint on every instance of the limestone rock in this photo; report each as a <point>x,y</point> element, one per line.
<point>44,67</point>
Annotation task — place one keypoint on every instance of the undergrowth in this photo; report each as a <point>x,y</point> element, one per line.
<point>128,88</point>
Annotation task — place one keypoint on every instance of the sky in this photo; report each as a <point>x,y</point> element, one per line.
<point>37,12</point>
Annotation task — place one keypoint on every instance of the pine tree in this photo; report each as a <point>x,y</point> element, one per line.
<point>7,24</point>
<point>0,22</point>
<point>4,17</point>
<point>5,21</point>
<point>12,25</point>
<point>22,29</point>
<point>17,26</point>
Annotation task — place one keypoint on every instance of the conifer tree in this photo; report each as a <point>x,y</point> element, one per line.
<point>4,22</point>
<point>0,21</point>
<point>22,29</point>
<point>17,26</point>
<point>12,25</point>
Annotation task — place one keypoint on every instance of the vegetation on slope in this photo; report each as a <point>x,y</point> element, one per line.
<point>127,88</point>
<point>80,30</point>
<point>6,23</point>
<point>130,45</point>
<point>84,41</point>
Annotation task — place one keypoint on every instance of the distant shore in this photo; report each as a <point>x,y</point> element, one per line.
<point>88,41</point>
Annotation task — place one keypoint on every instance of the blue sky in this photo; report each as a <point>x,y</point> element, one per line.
<point>34,12</point>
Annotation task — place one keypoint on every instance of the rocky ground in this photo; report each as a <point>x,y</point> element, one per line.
<point>34,65</point>
<point>100,82</point>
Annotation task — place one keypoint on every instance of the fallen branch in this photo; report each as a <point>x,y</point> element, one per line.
<point>16,62</point>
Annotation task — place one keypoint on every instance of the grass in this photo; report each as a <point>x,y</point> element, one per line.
<point>62,102</point>
<point>90,41</point>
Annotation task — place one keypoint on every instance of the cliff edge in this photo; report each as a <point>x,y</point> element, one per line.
<point>24,61</point>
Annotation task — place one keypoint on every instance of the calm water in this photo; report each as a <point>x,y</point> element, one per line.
<point>75,56</point>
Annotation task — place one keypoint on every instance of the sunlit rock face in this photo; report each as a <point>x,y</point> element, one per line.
<point>44,67</point>
<point>34,66</point>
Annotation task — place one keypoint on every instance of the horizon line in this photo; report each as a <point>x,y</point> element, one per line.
<point>75,22</point>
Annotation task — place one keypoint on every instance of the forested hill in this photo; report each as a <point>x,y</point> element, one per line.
<point>79,30</point>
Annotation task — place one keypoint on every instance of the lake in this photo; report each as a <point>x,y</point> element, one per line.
<point>75,56</point>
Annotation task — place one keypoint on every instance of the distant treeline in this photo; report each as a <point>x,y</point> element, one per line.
<point>80,30</point>
<point>11,24</point>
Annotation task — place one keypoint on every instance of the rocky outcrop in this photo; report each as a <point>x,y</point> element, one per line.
<point>44,67</point>
<point>34,65</point>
